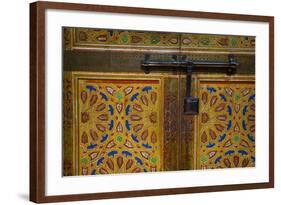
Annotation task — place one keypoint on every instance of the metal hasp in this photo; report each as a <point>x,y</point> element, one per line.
<point>191,104</point>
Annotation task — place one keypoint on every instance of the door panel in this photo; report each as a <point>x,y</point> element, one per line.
<point>226,124</point>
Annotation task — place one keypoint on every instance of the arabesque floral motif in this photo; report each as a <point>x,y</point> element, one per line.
<point>226,125</point>
<point>120,127</point>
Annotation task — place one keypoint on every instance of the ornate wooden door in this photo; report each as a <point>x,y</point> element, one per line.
<point>117,119</point>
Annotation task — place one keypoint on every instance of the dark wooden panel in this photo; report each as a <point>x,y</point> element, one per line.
<point>186,135</point>
<point>171,130</point>
<point>113,61</point>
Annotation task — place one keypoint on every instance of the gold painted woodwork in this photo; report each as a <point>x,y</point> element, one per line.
<point>148,41</point>
<point>179,136</point>
<point>229,151</point>
<point>87,118</point>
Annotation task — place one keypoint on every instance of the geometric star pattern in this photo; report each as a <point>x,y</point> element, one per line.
<point>226,131</point>
<point>120,126</point>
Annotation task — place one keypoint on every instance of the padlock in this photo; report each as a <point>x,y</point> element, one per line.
<point>191,105</point>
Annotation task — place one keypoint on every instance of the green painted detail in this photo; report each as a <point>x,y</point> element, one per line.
<point>119,138</point>
<point>125,38</point>
<point>233,41</point>
<point>236,138</point>
<point>119,96</point>
<point>203,158</point>
<point>205,41</point>
<point>155,39</point>
<point>84,160</point>
<point>237,96</point>
<point>153,160</point>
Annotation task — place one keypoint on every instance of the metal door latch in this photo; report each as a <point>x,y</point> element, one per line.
<point>191,104</point>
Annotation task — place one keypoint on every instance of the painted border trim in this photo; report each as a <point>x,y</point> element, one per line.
<point>37,100</point>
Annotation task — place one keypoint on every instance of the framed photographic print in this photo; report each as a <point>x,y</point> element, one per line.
<point>128,102</point>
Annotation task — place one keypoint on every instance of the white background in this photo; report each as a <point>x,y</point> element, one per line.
<point>14,113</point>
